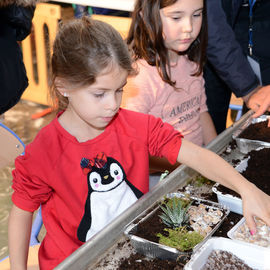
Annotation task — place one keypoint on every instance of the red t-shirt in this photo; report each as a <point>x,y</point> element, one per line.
<point>65,177</point>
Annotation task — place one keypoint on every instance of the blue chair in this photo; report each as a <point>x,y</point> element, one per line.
<point>237,108</point>
<point>36,227</point>
<point>10,144</point>
<point>235,105</point>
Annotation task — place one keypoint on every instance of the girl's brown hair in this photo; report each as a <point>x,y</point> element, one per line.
<point>145,38</point>
<point>83,48</point>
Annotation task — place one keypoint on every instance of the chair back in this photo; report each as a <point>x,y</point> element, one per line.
<point>10,144</point>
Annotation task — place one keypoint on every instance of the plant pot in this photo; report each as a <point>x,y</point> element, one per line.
<point>152,248</point>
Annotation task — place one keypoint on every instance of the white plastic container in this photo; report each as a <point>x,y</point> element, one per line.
<point>262,238</point>
<point>254,256</point>
<point>232,202</point>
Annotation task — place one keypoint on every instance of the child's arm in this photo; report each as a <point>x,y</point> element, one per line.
<point>19,230</point>
<point>157,164</point>
<point>209,131</point>
<point>255,202</point>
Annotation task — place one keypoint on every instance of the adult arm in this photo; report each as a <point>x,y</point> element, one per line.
<point>255,202</point>
<point>226,55</point>
<point>19,230</point>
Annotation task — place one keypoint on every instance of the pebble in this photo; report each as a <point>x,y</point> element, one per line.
<point>203,218</point>
<point>224,260</point>
<point>261,237</point>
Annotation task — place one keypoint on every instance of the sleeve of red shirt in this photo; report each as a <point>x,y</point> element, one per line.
<point>163,139</point>
<point>29,189</point>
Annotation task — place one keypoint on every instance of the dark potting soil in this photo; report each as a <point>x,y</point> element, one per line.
<point>140,262</point>
<point>149,228</point>
<point>227,224</point>
<point>231,146</point>
<point>257,131</point>
<point>225,190</point>
<point>257,171</point>
<point>210,197</point>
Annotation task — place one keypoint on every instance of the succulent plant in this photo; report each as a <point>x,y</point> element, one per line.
<point>175,212</point>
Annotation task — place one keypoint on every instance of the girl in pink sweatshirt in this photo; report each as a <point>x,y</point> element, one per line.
<point>168,42</point>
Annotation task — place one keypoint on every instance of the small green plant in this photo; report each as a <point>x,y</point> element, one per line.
<point>201,180</point>
<point>180,238</point>
<point>163,175</point>
<point>175,212</point>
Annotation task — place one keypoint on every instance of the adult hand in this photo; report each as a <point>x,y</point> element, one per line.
<point>259,102</point>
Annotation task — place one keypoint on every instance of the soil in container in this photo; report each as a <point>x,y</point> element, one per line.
<point>256,172</point>
<point>231,146</point>
<point>228,223</point>
<point>200,187</point>
<point>257,131</point>
<point>201,219</point>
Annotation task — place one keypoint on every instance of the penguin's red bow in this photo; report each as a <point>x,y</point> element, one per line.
<point>99,161</point>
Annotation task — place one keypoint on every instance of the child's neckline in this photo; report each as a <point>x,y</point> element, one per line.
<point>73,138</point>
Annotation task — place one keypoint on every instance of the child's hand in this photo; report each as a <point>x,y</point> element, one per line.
<point>255,203</point>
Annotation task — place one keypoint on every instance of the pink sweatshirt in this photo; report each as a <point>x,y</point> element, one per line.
<point>147,93</point>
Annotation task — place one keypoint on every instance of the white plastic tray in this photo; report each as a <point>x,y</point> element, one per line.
<point>233,230</point>
<point>254,256</point>
<point>232,202</point>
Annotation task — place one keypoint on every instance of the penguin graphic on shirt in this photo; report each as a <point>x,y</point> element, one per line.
<point>109,194</point>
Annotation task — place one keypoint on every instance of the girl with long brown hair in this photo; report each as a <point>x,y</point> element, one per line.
<point>168,41</point>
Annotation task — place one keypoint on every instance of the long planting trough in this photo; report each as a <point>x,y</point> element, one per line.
<point>89,254</point>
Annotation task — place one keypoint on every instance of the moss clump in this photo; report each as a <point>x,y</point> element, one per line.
<point>201,180</point>
<point>180,238</point>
